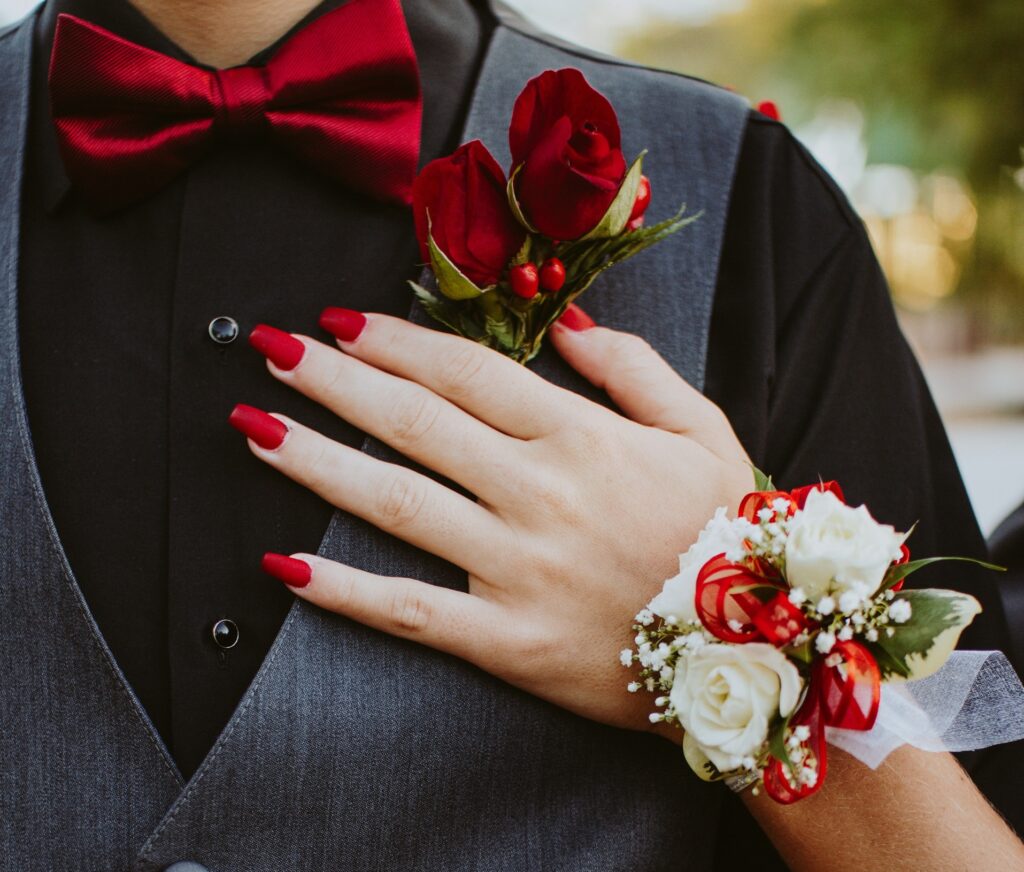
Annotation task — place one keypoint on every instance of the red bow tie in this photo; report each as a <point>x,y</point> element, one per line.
<point>342,94</point>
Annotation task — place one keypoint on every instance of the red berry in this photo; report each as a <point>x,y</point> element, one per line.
<point>552,275</point>
<point>524,280</point>
<point>643,198</point>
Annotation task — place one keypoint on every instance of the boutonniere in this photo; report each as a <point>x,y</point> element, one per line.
<point>509,255</point>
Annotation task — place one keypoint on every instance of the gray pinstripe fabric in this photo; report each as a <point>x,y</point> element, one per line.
<point>352,750</point>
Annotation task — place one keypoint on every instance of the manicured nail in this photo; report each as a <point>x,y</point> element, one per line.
<point>265,430</point>
<point>346,324</point>
<point>576,319</point>
<point>282,349</point>
<point>294,573</point>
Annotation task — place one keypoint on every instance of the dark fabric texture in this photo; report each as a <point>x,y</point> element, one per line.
<point>998,771</point>
<point>159,505</point>
<point>83,776</point>
<point>351,749</point>
<point>163,514</point>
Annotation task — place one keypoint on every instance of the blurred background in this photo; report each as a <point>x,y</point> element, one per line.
<point>916,108</point>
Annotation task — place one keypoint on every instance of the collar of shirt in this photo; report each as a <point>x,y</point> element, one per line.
<point>448,36</point>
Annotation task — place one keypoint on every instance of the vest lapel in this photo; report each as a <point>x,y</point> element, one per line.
<point>89,773</point>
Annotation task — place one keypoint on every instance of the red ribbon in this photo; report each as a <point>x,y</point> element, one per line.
<point>845,686</point>
<point>779,621</point>
<point>904,558</point>
<point>341,94</point>
<point>724,594</point>
<point>752,503</point>
<point>776,781</point>
<point>800,494</point>
<point>845,694</point>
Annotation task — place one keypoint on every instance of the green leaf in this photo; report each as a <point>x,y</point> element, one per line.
<point>698,761</point>
<point>762,482</point>
<point>503,330</point>
<point>804,653</point>
<point>921,645</point>
<point>423,295</point>
<point>513,201</point>
<point>440,310</point>
<point>523,255</point>
<point>617,216</point>
<point>896,574</point>
<point>777,740</point>
<point>450,280</point>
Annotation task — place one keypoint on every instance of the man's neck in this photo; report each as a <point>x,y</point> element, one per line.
<point>224,33</point>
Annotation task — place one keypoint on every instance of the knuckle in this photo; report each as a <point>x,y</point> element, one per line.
<point>413,417</point>
<point>344,592</point>
<point>552,498</point>
<point>629,345</point>
<point>595,439</point>
<point>332,380</point>
<point>386,332</point>
<point>317,468</point>
<point>460,371</point>
<point>532,646</point>
<point>401,502</point>
<point>409,610</point>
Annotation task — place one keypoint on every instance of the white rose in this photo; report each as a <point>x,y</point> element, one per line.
<point>834,548</point>
<point>677,596</point>
<point>726,696</point>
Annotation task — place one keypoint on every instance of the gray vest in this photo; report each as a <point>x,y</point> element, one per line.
<point>352,750</point>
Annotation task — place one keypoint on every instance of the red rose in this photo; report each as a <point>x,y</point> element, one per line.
<point>470,219</point>
<point>565,137</point>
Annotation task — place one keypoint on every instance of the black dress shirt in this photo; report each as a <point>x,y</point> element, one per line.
<point>163,513</point>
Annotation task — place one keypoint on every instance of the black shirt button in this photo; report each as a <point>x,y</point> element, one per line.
<point>223,330</point>
<point>225,633</point>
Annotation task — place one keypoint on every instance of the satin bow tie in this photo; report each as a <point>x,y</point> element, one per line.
<point>342,94</point>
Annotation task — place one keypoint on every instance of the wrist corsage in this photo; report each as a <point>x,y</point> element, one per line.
<point>508,256</point>
<point>784,623</point>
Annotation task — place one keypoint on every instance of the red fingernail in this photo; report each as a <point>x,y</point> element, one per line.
<point>283,349</point>
<point>346,324</point>
<point>576,319</point>
<point>264,430</point>
<point>294,573</point>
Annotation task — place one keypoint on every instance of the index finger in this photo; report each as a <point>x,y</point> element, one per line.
<point>484,383</point>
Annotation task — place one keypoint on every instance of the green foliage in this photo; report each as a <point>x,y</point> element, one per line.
<point>897,573</point>
<point>513,201</point>
<point>921,645</point>
<point>762,482</point>
<point>617,216</point>
<point>450,280</point>
<point>941,83</point>
<point>499,319</point>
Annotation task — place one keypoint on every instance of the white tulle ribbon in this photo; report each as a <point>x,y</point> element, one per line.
<point>974,701</point>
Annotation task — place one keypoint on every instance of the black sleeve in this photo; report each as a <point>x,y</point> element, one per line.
<point>807,360</point>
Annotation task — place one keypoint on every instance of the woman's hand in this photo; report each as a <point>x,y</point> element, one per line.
<point>580,513</point>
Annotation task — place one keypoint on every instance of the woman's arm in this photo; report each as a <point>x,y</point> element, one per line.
<point>580,513</point>
<point>917,811</point>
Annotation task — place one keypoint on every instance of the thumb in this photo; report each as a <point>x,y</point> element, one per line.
<point>639,380</point>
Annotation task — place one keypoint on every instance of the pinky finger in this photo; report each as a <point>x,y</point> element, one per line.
<point>451,621</point>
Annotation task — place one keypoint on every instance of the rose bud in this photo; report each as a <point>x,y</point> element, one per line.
<point>524,280</point>
<point>469,216</point>
<point>552,275</point>
<point>643,199</point>
<point>565,144</point>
